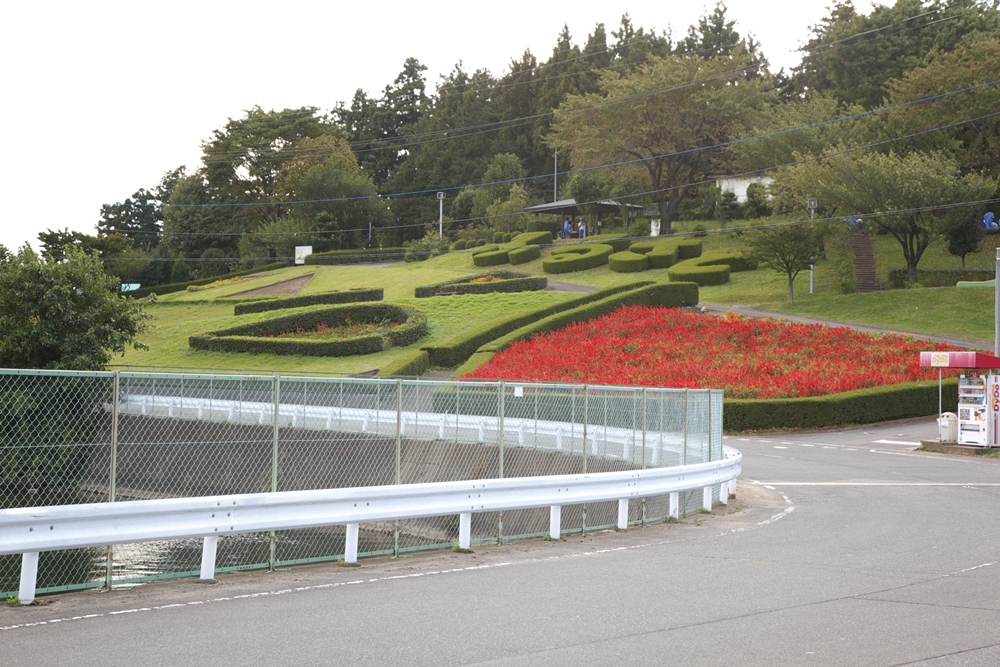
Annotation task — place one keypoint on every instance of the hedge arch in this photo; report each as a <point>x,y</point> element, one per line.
<point>577,258</point>
<point>250,337</point>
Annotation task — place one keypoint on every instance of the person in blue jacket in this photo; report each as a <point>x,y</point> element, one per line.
<point>988,221</point>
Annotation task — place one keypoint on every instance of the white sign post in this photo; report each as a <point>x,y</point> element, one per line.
<point>301,252</point>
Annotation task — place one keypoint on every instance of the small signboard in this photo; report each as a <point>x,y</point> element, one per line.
<point>301,252</point>
<point>654,227</point>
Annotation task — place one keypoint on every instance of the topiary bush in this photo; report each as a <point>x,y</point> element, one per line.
<point>251,338</point>
<point>357,256</point>
<point>490,258</point>
<point>350,296</point>
<point>526,254</point>
<point>509,281</point>
<point>577,258</point>
<point>619,242</point>
<point>550,226</point>
<point>498,237</point>
<point>532,238</point>
<point>506,238</point>
<point>711,268</point>
<point>628,262</point>
<point>459,245</point>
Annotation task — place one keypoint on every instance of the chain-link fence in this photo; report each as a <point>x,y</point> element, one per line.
<point>74,437</point>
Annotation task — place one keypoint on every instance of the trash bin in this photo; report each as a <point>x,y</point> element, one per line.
<point>948,427</point>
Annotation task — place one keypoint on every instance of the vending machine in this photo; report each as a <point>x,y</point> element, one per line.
<point>979,410</point>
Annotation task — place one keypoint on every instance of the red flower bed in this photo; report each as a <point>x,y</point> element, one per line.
<point>746,357</point>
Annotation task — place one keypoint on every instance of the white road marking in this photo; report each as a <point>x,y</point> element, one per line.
<point>896,442</point>
<point>780,447</point>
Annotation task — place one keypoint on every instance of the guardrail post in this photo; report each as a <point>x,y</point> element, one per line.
<point>583,513</point>
<point>623,514</point>
<point>724,493</point>
<point>687,400</point>
<point>109,563</point>
<point>465,530</point>
<point>555,522</point>
<point>351,544</point>
<point>208,550</point>
<point>272,536</point>
<point>675,506</point>
<point>643,517</point>
<point>706,498</point>
<point>399,456</point>
<point>732,487</point>
<point>29,576</point>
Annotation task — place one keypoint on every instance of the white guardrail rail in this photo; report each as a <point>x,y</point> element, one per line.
<point>30,530</point>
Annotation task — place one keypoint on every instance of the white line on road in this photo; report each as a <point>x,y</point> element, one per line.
<point>896,442</point>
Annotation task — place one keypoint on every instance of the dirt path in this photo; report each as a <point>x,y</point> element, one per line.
<point>285,287</point>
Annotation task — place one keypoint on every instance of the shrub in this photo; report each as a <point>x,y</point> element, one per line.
<point>577,258</point>
<point>357,256</point>
<point>532,238</point>
<point>700,230</point>
<point>619,242</point>
<point>482,247</point>
<point>490,258</point>
<point>458,245</point>
<point>351,296</point>
<point>506,238</point>
<point>248,337</point>
<point>458,349</point>
<point>863,406</point>
<point>510,281</point>
<point>525,254</point>
<point>711,268</point>
<point>664,253</point>
<point>550,226</point>
<point>628,262</point>
<point>416,364</point>
<point>480,242</point>
<point>639,227</point>
<point>939,277</point>
<point>498,237</point>
<point>180,287</point>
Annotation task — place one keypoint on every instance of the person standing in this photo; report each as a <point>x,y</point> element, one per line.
<point>583,229</point>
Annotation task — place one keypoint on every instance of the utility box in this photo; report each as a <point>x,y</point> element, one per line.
<point>948,427</point>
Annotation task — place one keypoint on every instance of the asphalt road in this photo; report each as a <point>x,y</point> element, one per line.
<point>843,548</point>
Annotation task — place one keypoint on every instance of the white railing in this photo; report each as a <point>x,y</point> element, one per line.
<point>31,530</point>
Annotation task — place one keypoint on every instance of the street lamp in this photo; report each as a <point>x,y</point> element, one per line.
<point>440,215</point>
<point>811,204</point>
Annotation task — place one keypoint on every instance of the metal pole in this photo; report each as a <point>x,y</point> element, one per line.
<point>440,218</point>
<point>109,564</point>
<point>644,449</point>
<point>500,412</point>
<point>812,211</point>
<point>272,536</point>
<point>939,393</point>
<point>399,448</point>
<point>555,176</point>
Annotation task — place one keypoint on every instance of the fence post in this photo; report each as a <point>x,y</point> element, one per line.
<point>109,564</point>
<point>710,425</point>
<point>272,536</point>
<point>500,415</point>
<point>399,450</point>
<point>687,399</point>
<point>583,513</point>
<point>643,518</point>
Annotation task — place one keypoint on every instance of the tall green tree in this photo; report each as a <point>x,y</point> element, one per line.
<point>64,315</point>
<point>140,217</point>
<point>787,249</point>
<point>666,119</point>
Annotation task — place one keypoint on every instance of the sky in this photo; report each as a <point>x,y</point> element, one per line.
<point>101,98</point>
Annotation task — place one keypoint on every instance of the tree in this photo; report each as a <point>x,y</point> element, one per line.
<point>965,237</point>
<point>667,119</point>
<point>788,249</point>
<point>115,251</point>
<point>140,216</point>
<point>716,36</point>
<point>914,197</point>
<point>65,315</point>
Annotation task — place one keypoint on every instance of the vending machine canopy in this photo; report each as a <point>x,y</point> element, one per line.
<point>959,360</point>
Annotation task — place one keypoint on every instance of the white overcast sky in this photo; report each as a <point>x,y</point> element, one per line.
<point>101,98</point>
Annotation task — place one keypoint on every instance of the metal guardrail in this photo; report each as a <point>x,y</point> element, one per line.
<point>29,531</point>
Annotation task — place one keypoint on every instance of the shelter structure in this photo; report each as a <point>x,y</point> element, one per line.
<point>569,208</point>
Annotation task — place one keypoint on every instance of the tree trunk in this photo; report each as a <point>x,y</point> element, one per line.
<point>791,289</point>
<point>911,271</point>
<point>662,206</point>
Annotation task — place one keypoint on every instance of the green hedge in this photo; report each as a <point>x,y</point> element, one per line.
<point>455,351</point>
<point>416,364</point>
<point>864,406</point>
<point>351,296</point>
<point>494,258</point>
<point>577,258</point>
<point>664,253</point>
<point>357,256</point>
<point>458,245</point>
<point>170,288</point>
<point>628,262</point>
<point>712,268</point>
<point>247,337</point>
<point>532,238</point>
<point>658,294</point>
<point>619,242</point>
<point>482,247</point>
<point>523,255</point>
<point>551,226</point>
<point>939,277</point>
<point>510,281</point>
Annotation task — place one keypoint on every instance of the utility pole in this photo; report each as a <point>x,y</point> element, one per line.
<point>555,176</point>
<point>811,204</point>
<point>440,215</point>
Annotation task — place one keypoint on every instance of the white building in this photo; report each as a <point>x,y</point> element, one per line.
<point>739,184</point>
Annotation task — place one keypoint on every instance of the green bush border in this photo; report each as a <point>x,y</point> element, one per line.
<point>414,365</point>
<point>712,268</point>
<point>577,258</point>
<point>863,406</point>
<point>510,281</point>
<point>490,258</point>
<point>357,256</point>
<point>246,337</point>
<point>457,350</point>
<point>170,288</point>
<point>939,277</point>
<point>532,238</point>
<point>664,253</point>
<point>524,255</point>
<point>619,242</point>
<point>350,296</point>
<point>628,262</point>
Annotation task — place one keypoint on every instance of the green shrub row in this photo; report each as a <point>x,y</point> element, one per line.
<point>247,337</point>
<point>619,242</point>
<point>510,281</point>
<point>712,268</point>
<point>412,365</point>
<point>669,295</point>
<point>357,256</point>
<point>350,296</point>
<point>496,256</point>
<point>455,351</point>
<point>939,277</point>
<point>628,262</point>
<point>481,248</point>
<point>523,255</point>
<point>551,226</point>
<point>170,288</point>
<point>864,406</point>
<point>532,238</point>
<point>490,258</point>
<point>577,258</point>
<point>467,245</point>
<point>664,253</point>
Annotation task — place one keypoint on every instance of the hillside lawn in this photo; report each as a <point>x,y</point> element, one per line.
<point>948,311</point>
